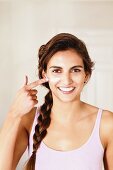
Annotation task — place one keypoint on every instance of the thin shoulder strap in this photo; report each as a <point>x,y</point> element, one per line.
<point>98,120</point>
<point>97,138</point>
<point>96,131</point>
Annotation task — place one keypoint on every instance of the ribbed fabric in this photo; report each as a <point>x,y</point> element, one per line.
<point>87,157</point>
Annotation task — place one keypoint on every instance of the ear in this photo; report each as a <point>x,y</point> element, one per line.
<point>44,75</point>
<point>87,77</point>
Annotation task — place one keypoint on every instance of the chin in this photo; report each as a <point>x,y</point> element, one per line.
<point>67,99</point>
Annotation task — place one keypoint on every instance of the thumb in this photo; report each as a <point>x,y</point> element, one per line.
<point>26,80</point>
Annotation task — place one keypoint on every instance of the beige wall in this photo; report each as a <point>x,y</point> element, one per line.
<point>25,25</point>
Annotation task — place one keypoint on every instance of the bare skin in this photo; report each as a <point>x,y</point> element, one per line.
<point>65,142</point>
<point>14,135</point>
<point>64,134</point>
<point>16,129</point>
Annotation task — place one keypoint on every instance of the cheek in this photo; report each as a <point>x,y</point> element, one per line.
<point>79,78</point>
<point>54,80</point>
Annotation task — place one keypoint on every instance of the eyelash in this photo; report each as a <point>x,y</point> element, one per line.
<point>56,71</point>
<point>59,71</point>
<point>76,70</point>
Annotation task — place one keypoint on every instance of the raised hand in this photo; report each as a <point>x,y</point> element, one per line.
<point>26,97</point>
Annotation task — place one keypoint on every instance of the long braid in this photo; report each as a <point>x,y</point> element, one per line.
<point>43,122</point>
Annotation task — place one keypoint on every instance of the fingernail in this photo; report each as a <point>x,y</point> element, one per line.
<point>47,79</point>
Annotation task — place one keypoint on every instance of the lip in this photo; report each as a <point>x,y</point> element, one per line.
<point>65,90</point>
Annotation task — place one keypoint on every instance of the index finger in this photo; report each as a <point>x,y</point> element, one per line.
<point>36,83</point>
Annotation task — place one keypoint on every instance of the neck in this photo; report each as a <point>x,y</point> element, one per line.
<point>66,112</point>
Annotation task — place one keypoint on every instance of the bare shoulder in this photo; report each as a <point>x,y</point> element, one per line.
<point>90,109</point>
<point>107,134</point>
<point>27,120</point>
<point>107,125</point>
<point>107,118</point>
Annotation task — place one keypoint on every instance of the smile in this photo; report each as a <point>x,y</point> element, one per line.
<point>66,89</point>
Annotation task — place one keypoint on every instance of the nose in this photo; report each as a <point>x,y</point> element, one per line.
<point>66,79</point>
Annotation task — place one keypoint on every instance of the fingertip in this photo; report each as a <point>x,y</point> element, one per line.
<point>46,79</point>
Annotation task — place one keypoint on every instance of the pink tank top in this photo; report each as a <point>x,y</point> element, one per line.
<point>88,157</point>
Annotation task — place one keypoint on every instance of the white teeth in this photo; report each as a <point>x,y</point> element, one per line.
<point>66,89</point>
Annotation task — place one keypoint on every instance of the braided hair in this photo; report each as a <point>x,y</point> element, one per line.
<point>60,42</point>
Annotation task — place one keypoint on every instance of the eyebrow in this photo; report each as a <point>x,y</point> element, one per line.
<point>58,67</point>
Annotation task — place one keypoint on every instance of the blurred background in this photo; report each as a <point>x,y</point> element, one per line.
<point>27,24</point>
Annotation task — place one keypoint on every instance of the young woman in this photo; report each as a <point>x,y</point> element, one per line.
<point>64,133</point>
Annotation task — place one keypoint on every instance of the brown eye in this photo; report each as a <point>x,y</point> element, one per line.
<point>56,71</point>
<point>76,70</point>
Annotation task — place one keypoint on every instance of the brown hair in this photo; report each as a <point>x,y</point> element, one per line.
<point>60,42</point>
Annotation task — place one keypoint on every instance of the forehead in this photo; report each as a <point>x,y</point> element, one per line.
<point>66,58</point>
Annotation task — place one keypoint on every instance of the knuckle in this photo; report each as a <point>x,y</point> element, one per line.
<point>34,97</point>
<point>24,88</point>
<point>35,90</point>
<point>30,97</point>
<point>26,93</point>
<point>32,103</point>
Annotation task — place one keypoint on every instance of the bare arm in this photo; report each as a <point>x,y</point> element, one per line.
<point>13,131</point>
<point>8,136</point>
<point>23,136</point>
<point>108,155</point>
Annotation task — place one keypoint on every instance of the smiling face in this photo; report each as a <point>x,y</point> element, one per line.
<point>66,75</point>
